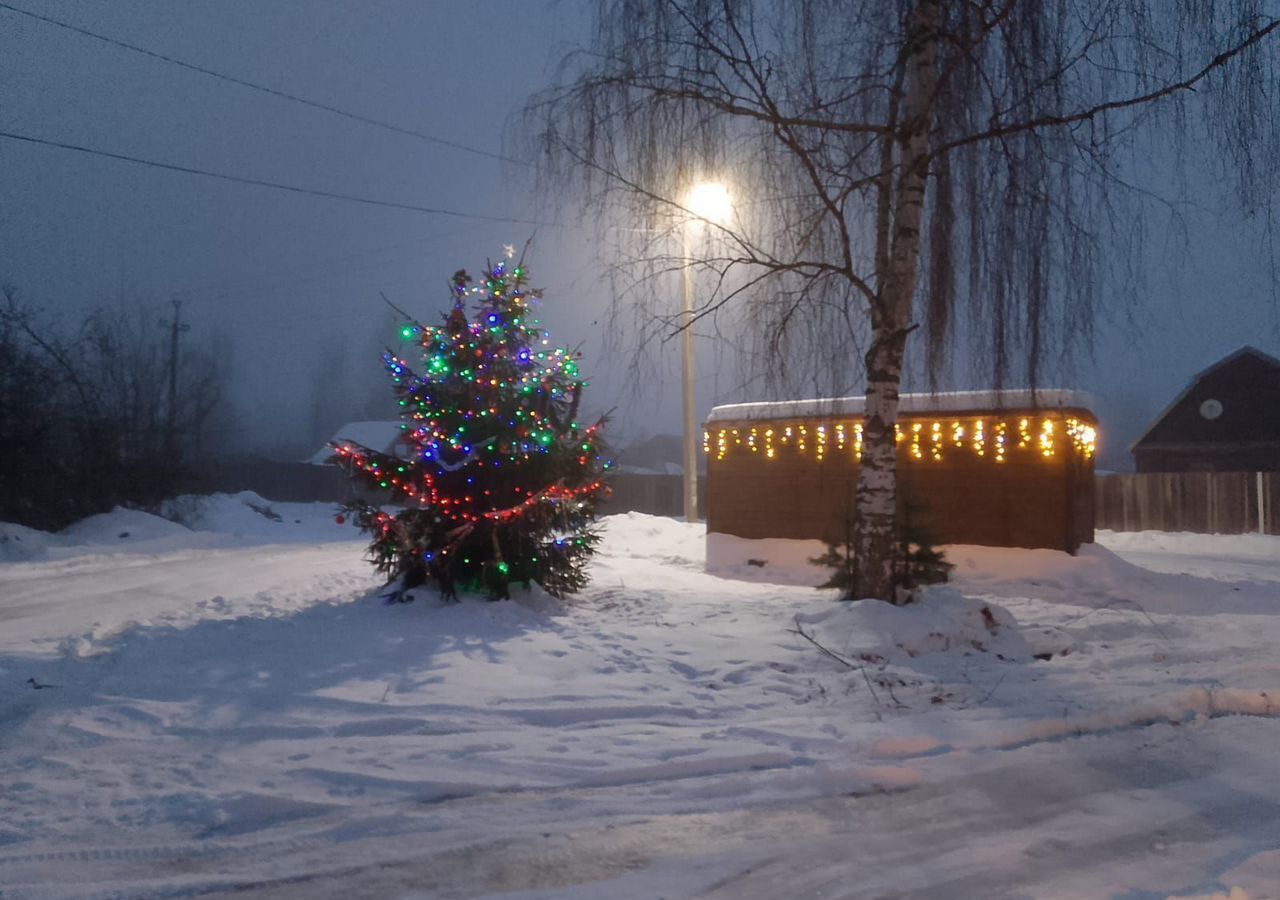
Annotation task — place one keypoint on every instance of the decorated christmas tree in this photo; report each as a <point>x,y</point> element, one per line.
<point>497,480</point>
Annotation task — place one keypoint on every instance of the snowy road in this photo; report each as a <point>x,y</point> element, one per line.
<point>263,732</point>
<point>1074,821</point>
<point>104,595</point>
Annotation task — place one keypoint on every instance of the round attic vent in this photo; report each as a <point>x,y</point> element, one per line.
<point>1211,409</point>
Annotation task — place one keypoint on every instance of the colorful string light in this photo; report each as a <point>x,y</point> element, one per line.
<point>499,480</point>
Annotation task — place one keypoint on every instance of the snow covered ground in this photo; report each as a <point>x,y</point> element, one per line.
<point>225,711</point>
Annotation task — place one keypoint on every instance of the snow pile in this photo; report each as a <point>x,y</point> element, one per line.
<point>190,522</point>
<point>1176,544</point>
<point>19,543</point>
<point>941,620</point>
<point>1144,572</point>
<point>768,560</point>
<point>249,516</point>
<point>639,536</point>
<point>1250,557</point>
<point>122,525</point>
<point>1100,579</point>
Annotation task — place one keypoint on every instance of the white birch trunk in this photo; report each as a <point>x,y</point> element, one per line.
<point>875,543</point>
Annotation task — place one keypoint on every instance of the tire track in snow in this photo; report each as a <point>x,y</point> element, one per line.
<point>1175,709</point>
<point>160,851</point>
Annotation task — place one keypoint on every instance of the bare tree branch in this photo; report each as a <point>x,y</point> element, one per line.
<point>1084,115</point>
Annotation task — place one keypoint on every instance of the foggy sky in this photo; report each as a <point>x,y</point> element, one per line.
<point>292,282</point>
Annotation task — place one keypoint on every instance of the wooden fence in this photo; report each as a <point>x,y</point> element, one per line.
<point>659,495</point>
<point>1218,502</point>
<point>1204,502</point>
<point>285,482</point>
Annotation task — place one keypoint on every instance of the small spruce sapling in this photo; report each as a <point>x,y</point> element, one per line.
<point>917,561</point>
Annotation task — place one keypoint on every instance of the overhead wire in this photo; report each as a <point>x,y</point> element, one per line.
<point>261,88</point>
<point>267,90</point>
<point>261,182</point>
<point>241,287</point>
<point>265,282</point>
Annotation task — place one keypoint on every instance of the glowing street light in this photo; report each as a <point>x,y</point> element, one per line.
<point>708,202</point>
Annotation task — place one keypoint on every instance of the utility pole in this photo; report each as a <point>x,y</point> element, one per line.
<point>709,203</point>
<point>176,327</point>
<point>687,384</point>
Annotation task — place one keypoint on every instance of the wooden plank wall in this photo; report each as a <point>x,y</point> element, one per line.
<point>1025,502</point>
<point>1203,502</point>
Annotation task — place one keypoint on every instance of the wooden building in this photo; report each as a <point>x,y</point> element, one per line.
<point>1002,468</point>
<point>1226,420</point>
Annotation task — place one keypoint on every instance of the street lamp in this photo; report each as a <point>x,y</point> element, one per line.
<point>708,202</point>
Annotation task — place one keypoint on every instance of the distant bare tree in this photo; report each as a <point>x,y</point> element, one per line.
<point>129,356</point>
<point>85,422</point>
<point>907,161</point>
<point>27,429</point>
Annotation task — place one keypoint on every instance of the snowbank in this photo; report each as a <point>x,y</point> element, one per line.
<point>19,543</point>
<point>657,539</point>
<point>247,515</point>
<point>121,525</point>
<point>767,560</point>
<point>1099,578</point>
<point>940,621</point>
<point>191,522</point>
<point>1191,544</point>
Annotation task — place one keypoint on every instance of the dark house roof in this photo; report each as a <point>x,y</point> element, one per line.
<point>384,437</point>
<point>1233,403</point>
<point>661,454</point>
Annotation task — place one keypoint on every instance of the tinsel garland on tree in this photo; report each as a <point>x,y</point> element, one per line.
<point>498,480</point>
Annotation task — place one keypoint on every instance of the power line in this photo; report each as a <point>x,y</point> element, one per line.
<point>315,270</point>
<point>285,95</point>
<point>258,182</point>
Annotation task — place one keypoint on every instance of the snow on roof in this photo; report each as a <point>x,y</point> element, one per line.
<point>954,401</point>
<point>383,437</point>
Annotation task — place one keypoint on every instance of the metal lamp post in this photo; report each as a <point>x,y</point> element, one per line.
<point>709,202</point>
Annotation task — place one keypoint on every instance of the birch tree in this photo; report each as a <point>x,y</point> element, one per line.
<point>904,165</point>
